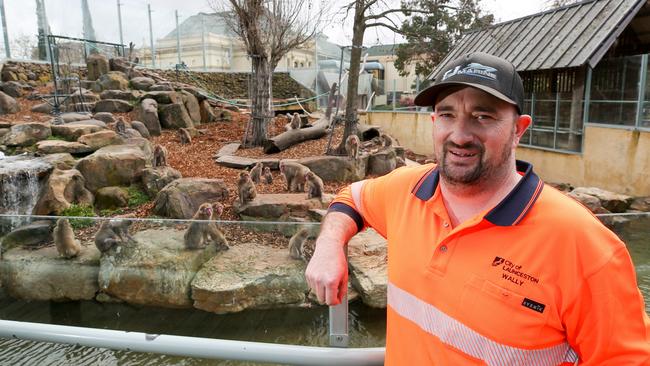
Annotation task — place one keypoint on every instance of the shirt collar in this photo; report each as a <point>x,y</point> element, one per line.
<point>510,210</point>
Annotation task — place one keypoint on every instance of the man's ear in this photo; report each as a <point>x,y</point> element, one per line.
<point>522,124</point>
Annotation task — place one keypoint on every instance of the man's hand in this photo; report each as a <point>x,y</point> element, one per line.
<point>327,273</point>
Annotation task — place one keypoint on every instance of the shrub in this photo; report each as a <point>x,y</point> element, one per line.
<point>137,197</point>
<point>80,211</point>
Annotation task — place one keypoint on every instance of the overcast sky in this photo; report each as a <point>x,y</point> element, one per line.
<point>64,17</point>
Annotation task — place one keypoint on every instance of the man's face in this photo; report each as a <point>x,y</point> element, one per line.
<point>475,135</point>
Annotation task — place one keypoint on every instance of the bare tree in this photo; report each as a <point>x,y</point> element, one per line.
<point>269,29</point>
<point>23,46</point>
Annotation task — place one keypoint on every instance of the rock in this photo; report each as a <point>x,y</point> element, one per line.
<point>73,116</point>
<point>641,204</point>
<point>382,162</point>
<point>272,163</point>
<point>26,134</point>
<point>368,267</point>
<point>63,188</point>
<point>72,131</point>
<point>113,80</point>
<point>4,131</point>
<point>113,165</point>
<point>181,198</point>
<point>589,201</point>
<point>86,96</point>
<point>97,65</point>
<point>109,198</point>
<point>155,271</point>
<point>121,64</point>
<point>57,146</point>
<point>224,115</point>
<point>63,161</point>
<point>199,94</point>
<point>9,73</point>
<point>30,235</point>
<point>192,107</point>
<point>317,214</point>
<point>174,116</point>
<point>42,108</point>
<point>611,201</point>
<point>142,83</point>
<point>237,162</point>
<point>79,107</point>
<point>144,145</point>
<point>8,105</point>
<point>141,128</point>
<point>562,187</point>
<point>113,106</point>
<point>126,95</point>
<point>249,276</point>
<point>147,112</point>
<point>14,89</point>
<point>97,140</point>
<point>155,179</point>
<point>44,276</point>
<point>163,97</point>
<point>106,117</point>
<point>280,206</point>
<point>337,168</point>
<point>207,112</point>
<point>228,150</point>
<point>94,122</point>
<point>161,87</point>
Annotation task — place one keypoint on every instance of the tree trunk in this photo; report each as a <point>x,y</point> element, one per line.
<point>261,110</point>
<point>292,137</point>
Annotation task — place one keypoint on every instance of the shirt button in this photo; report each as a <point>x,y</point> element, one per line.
<point>443,248</point>
<point>445,224</point>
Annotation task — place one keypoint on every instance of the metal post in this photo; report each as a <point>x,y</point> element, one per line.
<point>338,327</point>
<point>585,107</point>
<point>153,49</point>
<point>394,87</point>
<point>4,29</point>
<point>178,39</point>
<point>316,73</point>
<point>643,80</point>
<point>119,21</point>
<point>205,64</point>
<point>532,118</point>
<point>338,95</point>
<point>417,84</point>
<point>557,118</point>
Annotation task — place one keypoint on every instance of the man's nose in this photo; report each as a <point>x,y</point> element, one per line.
<point>461,132</point>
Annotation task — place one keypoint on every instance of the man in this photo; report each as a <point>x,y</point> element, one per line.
<point>486,264</point>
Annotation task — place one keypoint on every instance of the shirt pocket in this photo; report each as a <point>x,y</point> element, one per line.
<point>503,315</point>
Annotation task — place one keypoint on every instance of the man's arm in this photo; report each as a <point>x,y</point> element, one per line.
<point>327,271</point>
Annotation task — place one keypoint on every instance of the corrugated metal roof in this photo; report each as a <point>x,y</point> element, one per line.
<point>382,50</point>
<point>568,36</point>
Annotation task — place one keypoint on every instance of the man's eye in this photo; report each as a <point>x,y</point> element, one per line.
<point>484,117</point>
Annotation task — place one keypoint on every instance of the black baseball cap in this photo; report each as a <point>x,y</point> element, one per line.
<point>489,73</point>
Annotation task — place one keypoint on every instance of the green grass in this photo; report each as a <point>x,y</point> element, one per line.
<point>80,211</point>
<point>137,197</point>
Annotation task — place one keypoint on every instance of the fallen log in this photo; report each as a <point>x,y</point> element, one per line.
<point>292,137</point>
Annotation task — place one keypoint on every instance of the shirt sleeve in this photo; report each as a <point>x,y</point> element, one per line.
<point>607,324</point>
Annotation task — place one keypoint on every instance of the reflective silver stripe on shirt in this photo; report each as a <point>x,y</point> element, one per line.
<point>452,332</point>
<point>355,190</point>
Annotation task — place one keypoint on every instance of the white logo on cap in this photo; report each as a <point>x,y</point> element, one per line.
<point>472,69</point>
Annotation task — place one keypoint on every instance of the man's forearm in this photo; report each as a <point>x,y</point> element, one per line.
<point>337,229</point>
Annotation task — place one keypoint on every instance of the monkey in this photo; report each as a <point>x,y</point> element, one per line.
<point>352,146</point>
<point>197,233</point>
<point>66,244</point>
<point>400,162</point>
<point>246,188</point>
<point>213,232</point>
<point>159,156</point>
<point>297,244</point>
<point>112,232</point>
<point>314,185</point>
<point>120,126</point>
<point>294,175</point>
<point>256,173</point>
<point>294,122</point>
<point>185,136</point>
<point>386,141</point>
<point>268,177</point>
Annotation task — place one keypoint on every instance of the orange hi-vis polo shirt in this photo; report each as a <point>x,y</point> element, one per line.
<point>536,280</point>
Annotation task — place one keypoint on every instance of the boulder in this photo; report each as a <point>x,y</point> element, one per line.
<point>109,198</point>
<point>8,105</point>
<point>144,145</point>
<point>4,131</point>
<point>237,162</point>
<point>58,146</point>
<point>62,189</point>
<point>126,95</point>
<point>641,204</point>
<point>43,275</point>
<point>10,73</point>
<point>199,94</point>
<point>106,117</point>
<point>147,113</point>
<point>94,122</point>
<point>97,65</point>
<point>73,117</point>
<point>162,87</point>
<point>611,201</point>
<point>45,108</point>
<point>113,165</point>
<point>280,206</point>
<point>141,128</point>
<point>85,96</point>
<point>72,131</point>
<point>26,134</point>
<point>155,179</point>
<point>155,271</point>
<point>63,161</point>
<point>174,116</point>
<point>79,107</point>
<point>163,97</point>
<point>30,235</point>
<point>113,80</point>
<point>181,198</point>
<point>337,168</point>
<point>207,112</point>
<point>113,106</point>
<point>14,89</point>
<point>192,107</point>
<point>142,83</point>
<point>249,276</point>
<point>120,64</point>
<point>224,114</point>
<point>228,150</point>
<point>589,201</point>
<point>382,162</point>
<point>97,140</point>
<point>367,254</point>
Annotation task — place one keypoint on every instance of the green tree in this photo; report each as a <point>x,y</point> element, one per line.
<point>431,35</point>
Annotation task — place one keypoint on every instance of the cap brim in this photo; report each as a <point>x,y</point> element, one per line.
<point>428,96</point>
